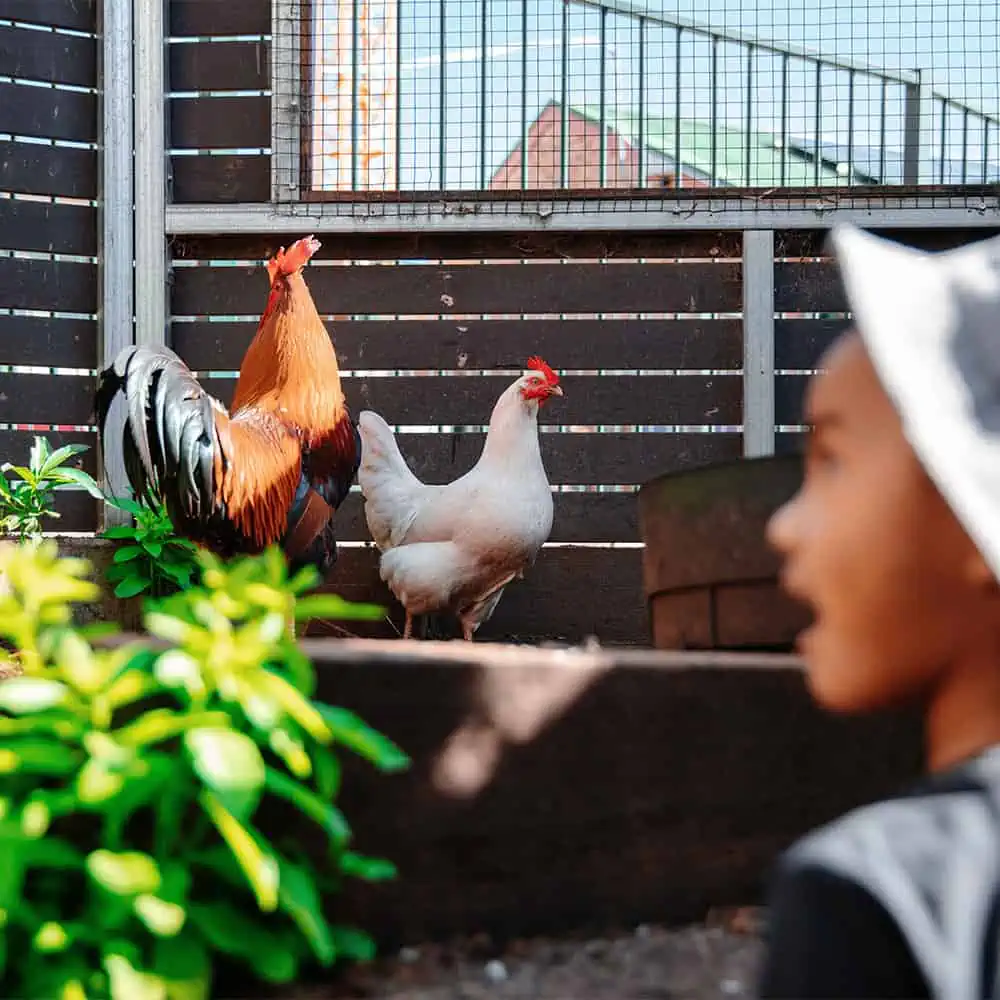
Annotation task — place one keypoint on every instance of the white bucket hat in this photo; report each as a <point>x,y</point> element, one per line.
<point>931,325</point>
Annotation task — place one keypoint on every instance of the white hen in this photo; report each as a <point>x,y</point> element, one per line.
<point>455,547</point>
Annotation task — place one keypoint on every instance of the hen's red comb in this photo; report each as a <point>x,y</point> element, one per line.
<point>537,364</point>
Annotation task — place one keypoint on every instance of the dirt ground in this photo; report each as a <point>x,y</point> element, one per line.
<point>717,960</point>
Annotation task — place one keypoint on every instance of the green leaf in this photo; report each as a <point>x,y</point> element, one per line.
<point>131,586</point>
<point>163,918</point>
<point>155,549</point>
<point>353,944</point>
<point>259,866</point>
<point>301,709</point>
<point>331,606</point>
<point>38,756</point>
<point>119,532</point>
<point>129,983</point>
<point>51,937</point>
<point>322,813</point>
<point>300,900</point>
<point>129,506</point>
<point>181,575</point>
<point>129,873</point>
<point>21,695</point>
<point>326,772</point>
<point>353,732</point>
<point>163,724</point>
<point>97,782</point>
<point>184,965</point>
<point>127,552</point>
<point>177,669</point>
<point>120,571</point>
<point>77,477</point>
<point>230,764</point>
<point>369,869</point>
<point>232,932</point>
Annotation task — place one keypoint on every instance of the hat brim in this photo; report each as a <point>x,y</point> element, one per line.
<point>904,307</point>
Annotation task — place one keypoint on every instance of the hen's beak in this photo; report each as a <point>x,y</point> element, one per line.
<point>555,390</point>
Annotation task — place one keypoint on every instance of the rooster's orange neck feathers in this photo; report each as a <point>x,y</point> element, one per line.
<point>291,366</point>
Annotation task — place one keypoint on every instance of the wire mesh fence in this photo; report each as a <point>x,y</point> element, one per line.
<point>504,96</point>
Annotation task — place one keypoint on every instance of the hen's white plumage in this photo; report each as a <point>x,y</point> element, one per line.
<point>454,547</point>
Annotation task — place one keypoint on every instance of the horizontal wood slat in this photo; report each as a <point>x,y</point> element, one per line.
<point>27,168</point>
<point>48,228</point>
<point>569,594</point>
<point>586,344</point>
<point>604,399</point>
<point>44,55</point>
<point>51,114</point>
<point>59,286</point>
<point>219,17</point>
<point>787,443</point>
<point>815,242</point>
<point>808,287</point>
<point>671,244</point>
<point>15,446</point>
<point>219,66</point>
<point>80,15</point>
<point>78,511</point>
<point>228,178</point>
<point>46,399</point>
<point>800,343</point>
<point>789,391</point>
<point>513,288</point>
<point>579,517</point>
<point>31,340</point>
<point>220,122</point>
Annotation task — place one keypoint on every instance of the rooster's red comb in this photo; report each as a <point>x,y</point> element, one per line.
<point>537,364</point>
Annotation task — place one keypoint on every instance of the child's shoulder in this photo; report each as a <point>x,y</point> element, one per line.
<point>927,860</point>
<point>948,819</point>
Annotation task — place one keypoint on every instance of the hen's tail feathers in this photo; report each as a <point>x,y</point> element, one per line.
<point>170,437</point>
<point>391,490</point>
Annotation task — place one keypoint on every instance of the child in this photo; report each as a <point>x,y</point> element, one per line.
<point>893,541</point>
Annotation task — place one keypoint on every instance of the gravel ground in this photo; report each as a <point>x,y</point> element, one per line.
<point>717,960</point>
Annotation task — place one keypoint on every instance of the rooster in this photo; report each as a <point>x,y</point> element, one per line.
<point>272,469</point>
<point>454,548</point>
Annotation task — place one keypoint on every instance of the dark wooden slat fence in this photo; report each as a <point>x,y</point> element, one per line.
<point>49,259</point>
<point>209,135</point>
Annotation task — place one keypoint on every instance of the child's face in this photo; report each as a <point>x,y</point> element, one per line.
<point>871,547</point>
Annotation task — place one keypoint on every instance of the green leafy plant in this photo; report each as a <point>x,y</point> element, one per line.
<point>29,496</point>
<point>136,782</point>
<point>151,558</point>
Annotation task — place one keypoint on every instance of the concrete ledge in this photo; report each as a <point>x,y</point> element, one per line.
<point>555,790</point>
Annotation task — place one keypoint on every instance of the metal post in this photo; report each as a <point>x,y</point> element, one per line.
<point>150,174</point>
<point>758,342</point>
<point>286,100</point>
<point>116,248</point>
<point>912,119</point>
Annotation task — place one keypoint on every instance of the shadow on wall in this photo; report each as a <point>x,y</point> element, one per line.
<point>556,791</point>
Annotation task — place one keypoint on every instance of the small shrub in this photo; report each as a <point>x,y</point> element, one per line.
<point>150,557</point>
<point>30,496</point>
<point>132,781</point>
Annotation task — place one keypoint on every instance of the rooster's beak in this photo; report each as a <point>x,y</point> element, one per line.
<point>555,390</point>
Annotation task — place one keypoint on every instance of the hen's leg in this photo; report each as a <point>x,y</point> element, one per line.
<point>408,627</point>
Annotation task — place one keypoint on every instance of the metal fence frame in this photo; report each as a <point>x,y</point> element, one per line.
<point>134,50</point>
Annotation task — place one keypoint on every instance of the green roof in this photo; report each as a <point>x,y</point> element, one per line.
<point>660,135</point>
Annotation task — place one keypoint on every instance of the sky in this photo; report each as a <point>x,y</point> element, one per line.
<point>955,44</point>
